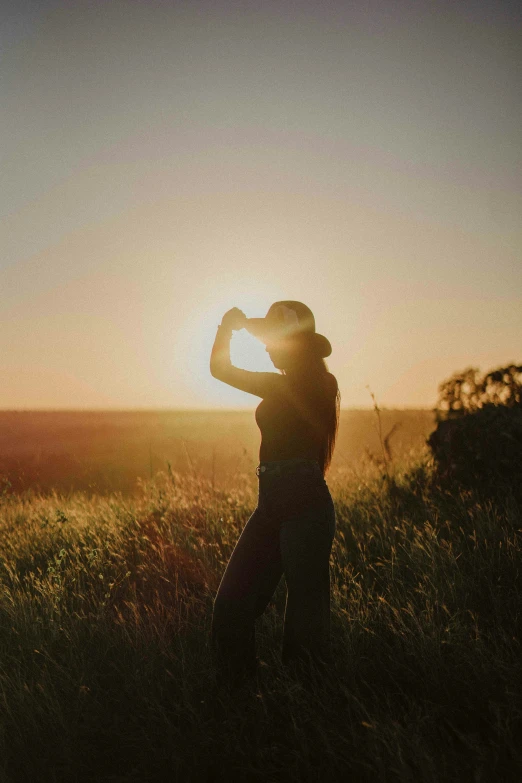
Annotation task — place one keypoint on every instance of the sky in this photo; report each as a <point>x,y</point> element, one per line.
<point>162,162</point>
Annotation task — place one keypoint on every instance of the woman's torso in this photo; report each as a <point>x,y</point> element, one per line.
<point>294,422</point>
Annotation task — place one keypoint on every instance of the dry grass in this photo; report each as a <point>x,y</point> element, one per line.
<point>105,606</point>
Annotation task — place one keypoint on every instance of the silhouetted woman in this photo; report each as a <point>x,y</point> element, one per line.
<point>292,529</point>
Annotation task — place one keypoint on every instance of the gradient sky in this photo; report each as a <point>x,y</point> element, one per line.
<point>164,161</point>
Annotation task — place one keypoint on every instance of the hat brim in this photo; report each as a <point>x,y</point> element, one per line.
<point>266,332</point>
<point>260,328</point>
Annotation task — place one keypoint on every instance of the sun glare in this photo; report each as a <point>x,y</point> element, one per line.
<point>197,336</point>
<point>249,353</point>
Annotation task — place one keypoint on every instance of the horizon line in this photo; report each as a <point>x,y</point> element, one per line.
<point>197,410</point>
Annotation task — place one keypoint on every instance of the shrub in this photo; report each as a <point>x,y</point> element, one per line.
<point>469,391</point>
<point>478,439</point>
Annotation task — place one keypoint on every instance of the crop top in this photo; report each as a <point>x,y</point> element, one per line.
<point>294,422</point>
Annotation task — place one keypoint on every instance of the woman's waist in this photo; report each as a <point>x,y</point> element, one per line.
<point>281,445</point>
<point>293,487</point>
<point>292,478</point>
<point>281,467</point>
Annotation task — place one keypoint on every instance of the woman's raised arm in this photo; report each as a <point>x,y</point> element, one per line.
<point>259,383</point>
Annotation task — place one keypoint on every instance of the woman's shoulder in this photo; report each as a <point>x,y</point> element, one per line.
<point>331,382</point>
<point>331,378</point>
<point>321,387</point>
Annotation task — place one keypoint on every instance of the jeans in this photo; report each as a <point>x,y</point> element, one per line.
<point>291,532</point>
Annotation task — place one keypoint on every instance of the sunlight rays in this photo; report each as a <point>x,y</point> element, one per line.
<point>195,339</point>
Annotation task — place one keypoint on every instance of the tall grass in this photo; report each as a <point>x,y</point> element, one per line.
<point>105,670</point>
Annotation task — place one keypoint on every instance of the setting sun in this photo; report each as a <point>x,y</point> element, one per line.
<point>196,336</point>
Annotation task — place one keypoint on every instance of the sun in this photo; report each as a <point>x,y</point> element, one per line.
<point>249,353</point>
<point>195,342</point>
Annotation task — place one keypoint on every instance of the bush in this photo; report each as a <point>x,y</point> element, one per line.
<point>469,391</point>
<point>481,451</point>
<point>478,439</point>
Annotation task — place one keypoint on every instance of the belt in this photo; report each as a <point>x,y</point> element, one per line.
<point>278,467</point>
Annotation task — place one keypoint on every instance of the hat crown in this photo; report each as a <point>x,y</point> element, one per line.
<point>293,316</point>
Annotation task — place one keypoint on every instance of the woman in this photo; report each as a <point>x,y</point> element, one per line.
<point>292,529</point>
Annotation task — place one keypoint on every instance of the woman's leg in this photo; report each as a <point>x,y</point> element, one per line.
<point>250,579</point>
<point>306,542</point>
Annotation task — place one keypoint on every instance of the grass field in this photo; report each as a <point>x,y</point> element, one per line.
<point>105,607</point>
<point>107,451</point>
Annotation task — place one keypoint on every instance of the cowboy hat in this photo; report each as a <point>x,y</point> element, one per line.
<point>288,320</point>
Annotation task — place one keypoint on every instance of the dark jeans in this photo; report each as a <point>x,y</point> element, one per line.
<point>291,532</point>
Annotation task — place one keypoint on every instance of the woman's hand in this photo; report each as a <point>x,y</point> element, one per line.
<point>234,319</point>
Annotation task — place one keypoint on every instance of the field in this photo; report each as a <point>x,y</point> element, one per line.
<point>105,607</point>
<point>104,451</point>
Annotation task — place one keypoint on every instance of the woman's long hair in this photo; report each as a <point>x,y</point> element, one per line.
<point>333,423</point>
<point>316,384</point>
